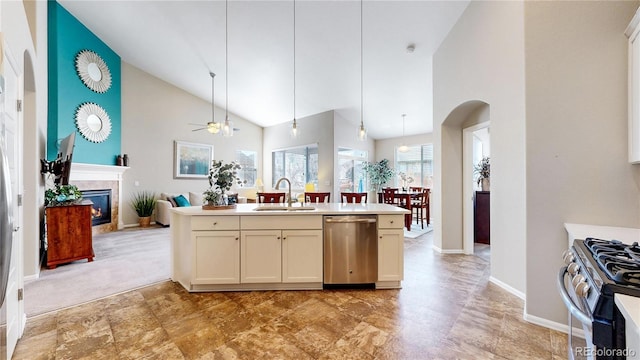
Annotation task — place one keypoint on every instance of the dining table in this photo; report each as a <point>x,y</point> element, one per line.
<point>404,201</point>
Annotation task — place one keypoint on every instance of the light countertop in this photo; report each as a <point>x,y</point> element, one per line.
<point>319,209</point>
<point>629,306</point>
<point>582,231</point>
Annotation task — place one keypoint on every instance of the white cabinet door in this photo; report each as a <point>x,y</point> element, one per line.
<point>301,256</point>
<point>217,257</point>
<point>260,256</point>
<point>390,254</point>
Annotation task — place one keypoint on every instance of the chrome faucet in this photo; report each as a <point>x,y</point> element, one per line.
<point>278,188</point>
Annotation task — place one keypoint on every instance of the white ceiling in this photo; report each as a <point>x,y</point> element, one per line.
<point>182,41</point>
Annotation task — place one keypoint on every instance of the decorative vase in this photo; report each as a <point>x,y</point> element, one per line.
<point>485,184</point>
<point>145,221</point>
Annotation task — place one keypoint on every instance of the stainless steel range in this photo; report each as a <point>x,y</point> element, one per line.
<point>596,270</point>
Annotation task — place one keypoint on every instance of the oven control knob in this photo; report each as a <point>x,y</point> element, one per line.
<point>568,257</point>
<point>577,280</point>
<point>582,289</point>
<point>573,268</point>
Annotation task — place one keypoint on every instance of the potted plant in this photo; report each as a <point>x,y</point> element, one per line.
<point>221,178</point>
<point>482,171</point>
<point>144,202</point>
<point>379,173</point>
<point>62,195</point>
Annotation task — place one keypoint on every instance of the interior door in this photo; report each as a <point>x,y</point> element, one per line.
<point>12,311</point>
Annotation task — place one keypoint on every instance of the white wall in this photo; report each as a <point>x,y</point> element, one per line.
<point>576,117</point>
<point>314,129</point>
<point>154,114</point>
<point>482,62</point>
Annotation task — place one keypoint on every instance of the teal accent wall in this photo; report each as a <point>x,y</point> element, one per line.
<point>67,37</point>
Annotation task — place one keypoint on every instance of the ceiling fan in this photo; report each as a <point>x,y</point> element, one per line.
<point>213,126</point>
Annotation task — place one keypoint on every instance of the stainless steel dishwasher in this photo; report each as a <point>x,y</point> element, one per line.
<point>350,249</point>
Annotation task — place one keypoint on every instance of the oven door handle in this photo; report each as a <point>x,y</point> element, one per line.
<point>568,301</point>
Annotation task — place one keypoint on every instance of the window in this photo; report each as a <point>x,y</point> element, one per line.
<point>249,172</point>
<point>299,165</point>
<point>416,163</point>
<point>351,177</point>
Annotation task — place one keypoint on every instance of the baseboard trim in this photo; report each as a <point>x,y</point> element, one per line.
<point>33,277</point>
<point>448,251</point>
<point>563,328</point>
<point>507,287</point>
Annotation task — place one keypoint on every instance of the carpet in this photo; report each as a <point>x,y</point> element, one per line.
<point>124,260</point>
<point>416,231</point>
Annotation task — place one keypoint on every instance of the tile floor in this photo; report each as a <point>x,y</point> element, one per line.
<point>446,309</point>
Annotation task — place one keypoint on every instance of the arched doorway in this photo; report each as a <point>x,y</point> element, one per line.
<point>453,179</point>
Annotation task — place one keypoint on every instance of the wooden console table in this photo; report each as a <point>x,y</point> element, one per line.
<point>481,219</point>
<point>69,235</point>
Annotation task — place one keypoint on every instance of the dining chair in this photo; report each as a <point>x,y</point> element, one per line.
<point>389,196</point>
<point>421,204</point>
<point>415,188</point>
<point>317,197</point>
<point>264,197</point>
<point>353,198</point>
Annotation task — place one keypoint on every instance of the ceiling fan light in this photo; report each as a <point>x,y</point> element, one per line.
<point>403,148</point>
<point>213,127</point>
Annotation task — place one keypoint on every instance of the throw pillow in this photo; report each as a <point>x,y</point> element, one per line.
<point>181,201</point>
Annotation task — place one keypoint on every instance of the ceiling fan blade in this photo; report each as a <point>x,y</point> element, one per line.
<point>236,129</point>
<point>204,128</point>
<point>198,124</point>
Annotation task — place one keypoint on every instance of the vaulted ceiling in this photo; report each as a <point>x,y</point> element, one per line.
<point>182,41</point>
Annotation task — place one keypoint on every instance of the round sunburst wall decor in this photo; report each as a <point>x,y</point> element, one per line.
<point>93,71</point>
<point>93,122</point>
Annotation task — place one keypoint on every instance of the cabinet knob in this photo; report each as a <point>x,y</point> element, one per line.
<point>278,237</point>
<point>215,223</point>
<point>380,236</point>
<point>284,238</point>
<point>236,239</point>
<point>392,221</point>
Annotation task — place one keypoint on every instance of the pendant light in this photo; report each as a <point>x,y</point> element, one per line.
<point>294,126</point>
<point>362,131</point>
<point>212,126</point>
<point>227,128</point>
<point>403,148</point>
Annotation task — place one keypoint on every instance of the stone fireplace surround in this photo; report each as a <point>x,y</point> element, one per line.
<point>97,177</point>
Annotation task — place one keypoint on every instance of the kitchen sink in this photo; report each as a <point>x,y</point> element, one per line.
<point>284,208</point>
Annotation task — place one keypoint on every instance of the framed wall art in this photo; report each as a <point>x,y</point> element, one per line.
<point>191,160</point>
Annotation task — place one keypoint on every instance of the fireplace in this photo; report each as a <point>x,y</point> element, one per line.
<point>101,209</point>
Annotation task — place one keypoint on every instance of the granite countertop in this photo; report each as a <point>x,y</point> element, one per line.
<point>319,209</point>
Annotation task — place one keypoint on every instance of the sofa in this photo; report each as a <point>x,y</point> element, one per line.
<point>166,202</point>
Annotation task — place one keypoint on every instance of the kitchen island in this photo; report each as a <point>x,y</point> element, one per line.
<point>272,246</point>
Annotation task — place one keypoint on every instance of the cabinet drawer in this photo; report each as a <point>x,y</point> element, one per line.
<point>294,222</point>
<point>390,221</point>
<point>215,223</point>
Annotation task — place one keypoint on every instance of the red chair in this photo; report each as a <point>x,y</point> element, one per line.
<point>389,196</point>
<point>317,197</point>
<point>415,188</point>
<point>421,204</point>
<point>353,198</point>
<point>264,197</point>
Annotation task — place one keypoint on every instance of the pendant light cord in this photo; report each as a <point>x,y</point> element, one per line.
<point>226,59</point>
<point>213,109</point>
<point>294,62</point>
<point>361,73</point>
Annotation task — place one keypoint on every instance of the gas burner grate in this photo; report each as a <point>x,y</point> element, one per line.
<point>619,270</point>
